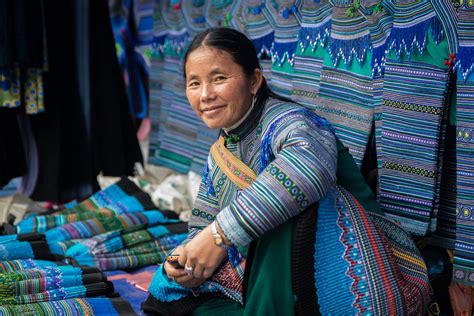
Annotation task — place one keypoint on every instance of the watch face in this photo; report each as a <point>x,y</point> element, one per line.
<point>218,241</point>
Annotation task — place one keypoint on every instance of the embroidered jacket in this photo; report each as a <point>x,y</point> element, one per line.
<point>292,151</point>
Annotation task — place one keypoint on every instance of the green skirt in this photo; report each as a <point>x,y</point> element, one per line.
<point>269,288</point>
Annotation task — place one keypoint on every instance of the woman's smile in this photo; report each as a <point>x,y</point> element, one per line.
<point>213,110</point>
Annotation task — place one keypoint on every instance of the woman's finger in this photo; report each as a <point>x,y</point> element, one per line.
<point>182,256</point>
<point>207,273</point>
<point>183,278</point>
<point>198,272</point>
<point>172,271</point>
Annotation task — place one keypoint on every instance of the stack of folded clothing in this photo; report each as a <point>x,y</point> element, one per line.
<point>131,247</point>
<point>38,287</point>
<point>27,246</point>
<point>116,228</point>
<point>30,282</point>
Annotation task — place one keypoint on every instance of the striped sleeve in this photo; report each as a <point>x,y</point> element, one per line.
<point>303,171</point>
<point>204,211</point>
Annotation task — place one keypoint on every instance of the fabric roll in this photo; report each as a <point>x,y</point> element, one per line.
<point>50,283</point>
<point>144,254</point>
<point>130,248</point>
<point>126,238</point>
<point>121,197</point>
<point>13,250</point>
<point>72,307</point>
<point>93,227</point>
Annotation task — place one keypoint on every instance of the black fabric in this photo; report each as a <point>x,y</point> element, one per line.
<point>89,270</point>
<point>116,147</point>
<point>41,250</point>
<point>122,307</point>
<point>91,278</point>
<point>184,306</point>
<point>99,289</point>
<point>170,214</point>
<point>68,160</point>
<point>64,154</point>
<point>31,237</point>
<point>128,186</point>
<point>177,228</point>
<point>21,33</point>
<point>12,155</point>
<point>145,200</point>
<point>302,266</point>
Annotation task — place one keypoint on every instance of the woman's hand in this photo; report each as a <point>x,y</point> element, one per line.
<point>202,254</point>
<point>179,275</point>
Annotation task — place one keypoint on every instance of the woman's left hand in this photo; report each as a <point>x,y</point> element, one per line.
<point>202,254</point>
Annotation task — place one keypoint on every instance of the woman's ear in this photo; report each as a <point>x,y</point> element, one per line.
<point>257,80</point>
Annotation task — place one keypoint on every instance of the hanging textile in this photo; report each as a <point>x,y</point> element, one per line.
<point>413,113</point>
<point>315,20</point>
<point>463,271</point>
<point>132,63</point>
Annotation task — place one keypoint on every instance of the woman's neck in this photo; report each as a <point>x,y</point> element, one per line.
<point>241,120</point>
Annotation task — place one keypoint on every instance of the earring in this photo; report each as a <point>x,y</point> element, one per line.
<point>254,99</point>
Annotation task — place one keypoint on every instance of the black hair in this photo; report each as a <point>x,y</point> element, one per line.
<point>242,51</point>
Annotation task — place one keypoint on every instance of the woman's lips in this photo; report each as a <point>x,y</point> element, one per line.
<point>212,110</point>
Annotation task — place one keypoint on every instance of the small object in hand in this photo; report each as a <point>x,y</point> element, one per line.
<point>174,261</point>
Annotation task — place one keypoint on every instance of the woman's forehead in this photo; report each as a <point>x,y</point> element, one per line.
<point>209,52</point>
<point>206,56</point>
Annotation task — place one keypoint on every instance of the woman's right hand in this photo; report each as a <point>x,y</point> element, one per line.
<point>179,275</point>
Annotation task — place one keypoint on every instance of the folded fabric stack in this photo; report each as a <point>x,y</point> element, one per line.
<point>116,228</point>
<point>121,197</point>
<point>51,282</point>
<point>132,247</point>
<point>70,307</point>
<point>27,246</point>
<point>121,221</point>
<point>38,287</point>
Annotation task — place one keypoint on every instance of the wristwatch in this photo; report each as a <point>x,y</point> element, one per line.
<point>218,240</point>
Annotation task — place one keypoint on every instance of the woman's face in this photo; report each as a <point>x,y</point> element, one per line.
<point>217,88</point>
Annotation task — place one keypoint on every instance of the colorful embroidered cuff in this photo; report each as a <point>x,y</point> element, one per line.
<point>232,229</point>
<point>462,274</point>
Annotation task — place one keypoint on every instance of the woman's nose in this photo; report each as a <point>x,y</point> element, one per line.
<point>207,92</point>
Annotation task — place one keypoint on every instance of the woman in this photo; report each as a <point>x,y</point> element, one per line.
<point>270,181</point>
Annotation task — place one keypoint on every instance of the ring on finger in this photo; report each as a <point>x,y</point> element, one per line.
<point>189,270</point>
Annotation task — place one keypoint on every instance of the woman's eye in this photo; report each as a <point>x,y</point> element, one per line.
<point>193,84</point>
